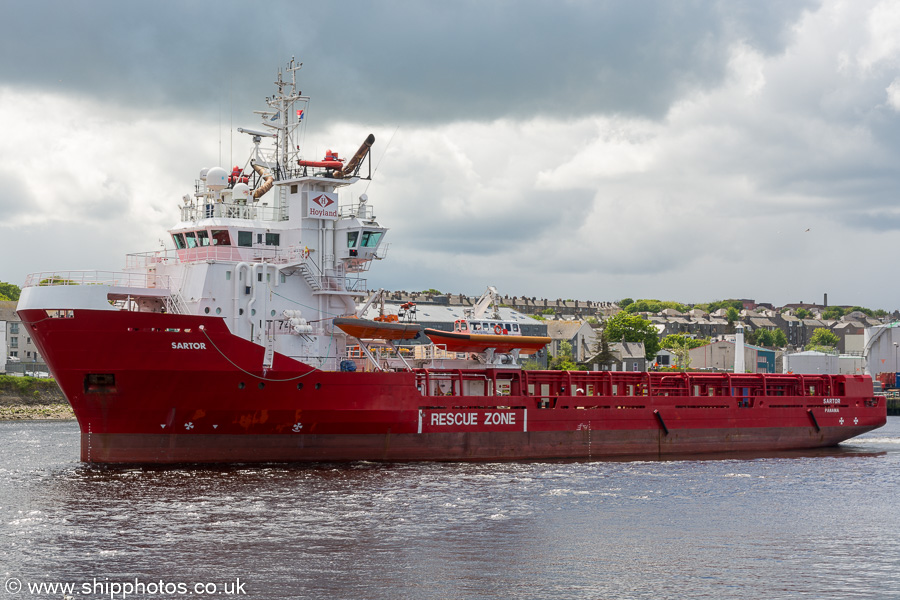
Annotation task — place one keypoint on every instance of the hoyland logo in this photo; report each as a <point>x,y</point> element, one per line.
<point>322,206</point>
<point>323,201</point>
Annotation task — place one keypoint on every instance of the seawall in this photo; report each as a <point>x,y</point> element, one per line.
<point>23,398</point>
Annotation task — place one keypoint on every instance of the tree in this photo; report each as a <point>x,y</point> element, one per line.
<point>732,315</point>
<point>624,302</point>
<point>604,355</point>
<point>633,328</point>
<point>563,360</point>
<point>833,313</point>
<point>432,292</point>
<point>681,345</point>
<point>779,339</point>
<point>822,338</point>
<point>11,291</point>
<point>714,306</point>
<point>802,313</point>
<point>675,340</point>
<point>654,306</point>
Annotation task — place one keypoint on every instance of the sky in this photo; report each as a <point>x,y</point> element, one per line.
<point>680,150</point>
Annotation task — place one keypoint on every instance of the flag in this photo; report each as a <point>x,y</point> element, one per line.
<point>276,116</point>
<point>300,114</point>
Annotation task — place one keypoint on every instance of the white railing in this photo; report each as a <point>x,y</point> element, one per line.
<point>112,278</point>
<point>214,253</point>
<point>140,260</point>
<point>364,212</point>
<point>252,212</point>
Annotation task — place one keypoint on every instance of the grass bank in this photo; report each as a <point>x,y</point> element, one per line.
<point>32,398</point>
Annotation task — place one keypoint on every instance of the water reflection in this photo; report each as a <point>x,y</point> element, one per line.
<point>768,525</point>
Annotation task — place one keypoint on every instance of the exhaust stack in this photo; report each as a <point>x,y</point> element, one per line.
<point>352,168</point>
<point>268,181</point>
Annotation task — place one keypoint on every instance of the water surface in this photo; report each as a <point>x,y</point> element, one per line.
<point>794,525</point>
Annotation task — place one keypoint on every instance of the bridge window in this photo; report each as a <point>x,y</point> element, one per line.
<point>245,238</point>
<point>352,237</point>
<point>272,239</point>
<point>370,238</point>
<point>220,237</point>
<point>191,238</point>
<point>179,241</point>
<point>203,237</point>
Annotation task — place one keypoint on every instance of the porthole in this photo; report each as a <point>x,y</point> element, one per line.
<point>252,312</point>
<point>272,313</point>
<point>300,386</point>
<point>241,385</point>
<point>218,311</point>
<point>262,384</point>
<point>206,310</point>
<point>240,311</point>
<point>318,386</point>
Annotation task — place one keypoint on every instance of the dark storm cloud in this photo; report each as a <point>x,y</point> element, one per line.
<point>399,61</point>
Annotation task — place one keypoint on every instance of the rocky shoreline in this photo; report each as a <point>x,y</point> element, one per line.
<point>27,398</point>
<point>36,412</point>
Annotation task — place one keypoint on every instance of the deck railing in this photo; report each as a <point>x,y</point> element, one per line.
<point>112,278</point>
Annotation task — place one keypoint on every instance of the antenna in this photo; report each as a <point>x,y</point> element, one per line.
<point>256,133</point>
<point>388,145</point>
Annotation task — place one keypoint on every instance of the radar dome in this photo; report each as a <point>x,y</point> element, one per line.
<point>216,179</point>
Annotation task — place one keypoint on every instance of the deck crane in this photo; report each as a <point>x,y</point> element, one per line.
<point>488,298</point>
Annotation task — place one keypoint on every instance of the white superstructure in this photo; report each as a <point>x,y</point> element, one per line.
<point>273,247</point>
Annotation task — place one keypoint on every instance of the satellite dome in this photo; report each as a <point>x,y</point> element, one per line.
<point>241,191</point>
<point>216,179</point>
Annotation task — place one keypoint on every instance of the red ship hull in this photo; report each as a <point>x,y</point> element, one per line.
<point>159,388</point>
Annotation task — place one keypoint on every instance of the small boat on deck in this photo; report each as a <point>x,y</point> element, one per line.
<point>380,328</point>
<point>480,335</point>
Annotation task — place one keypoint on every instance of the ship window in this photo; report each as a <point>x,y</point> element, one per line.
<point>203,238</point>
<point>259,238</point>
<point>352,237</point>
<point>191,239</point>
<point>294,189</point>
<point>370,238</point>
<point>220,237</point>
<point>476,326</point>
<point>179,241</point>
<point>272,239</point>
<point>245,238</point>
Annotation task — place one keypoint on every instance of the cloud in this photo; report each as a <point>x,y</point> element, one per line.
<point>596,150</point>
<point>405,62</point>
